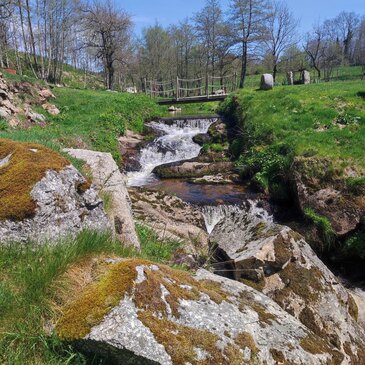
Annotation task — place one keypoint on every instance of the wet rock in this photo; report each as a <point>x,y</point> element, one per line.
<point>190,169</point>
<point>174,109</point>
<point>130,145</point>
<point>202,139</point>
<point>157,315</point>
<point>62,210</point>
<point>171,218</point>
<point>267,82</point>
<point>278,262</point>
<point>109,180</point>
<point>212,179</point>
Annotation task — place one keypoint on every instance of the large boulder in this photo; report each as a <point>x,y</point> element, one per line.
<point>267,82</point>
<point>278,262</point>
<point>42,196</point>
<point>109,181</point>
<point>138,312</point>
<point>171,218</point>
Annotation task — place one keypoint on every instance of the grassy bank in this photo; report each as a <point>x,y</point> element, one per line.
<point>314,120</point>
<point>89,119</point>
<point>30,278</point>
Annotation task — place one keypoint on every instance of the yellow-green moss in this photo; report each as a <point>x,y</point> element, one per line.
<point>28,164</point>
<point>97,301</point>
<point>180,341</point>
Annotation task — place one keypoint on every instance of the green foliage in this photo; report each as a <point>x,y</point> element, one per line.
<point>154,248</point>
<point>355,245</point>
<point>356,185</point>
<point>323,225</point>
<point>217,147</point>
<point>270,168</point>
<point>3,125</point>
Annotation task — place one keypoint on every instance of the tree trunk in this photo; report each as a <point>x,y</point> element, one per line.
<point>243,65</point>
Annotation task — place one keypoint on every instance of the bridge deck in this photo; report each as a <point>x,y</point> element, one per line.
<point>192,99</point>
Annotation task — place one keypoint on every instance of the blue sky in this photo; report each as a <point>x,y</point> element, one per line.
<point>147,12</point>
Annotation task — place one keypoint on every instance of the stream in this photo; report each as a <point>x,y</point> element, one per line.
<point>174,144</point>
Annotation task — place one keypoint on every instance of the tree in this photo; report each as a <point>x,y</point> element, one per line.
<point>108,32</point>
<point>279,32</point>
<point>347,24</point>
<point>314,45</point>
<point>246,17</point>
<point>209,25</point>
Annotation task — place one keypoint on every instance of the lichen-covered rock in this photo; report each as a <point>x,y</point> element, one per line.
<point>171,218</point>
<point>278,262</point>
<point>15,101</point>
<point>142,313</point>
<point>42,196</point>
<point>109,180</point>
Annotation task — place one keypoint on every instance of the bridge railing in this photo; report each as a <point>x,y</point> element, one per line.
<point>191,88</point>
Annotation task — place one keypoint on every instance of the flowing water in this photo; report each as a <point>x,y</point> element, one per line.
<point>174,144</point>
<point>216,213</point>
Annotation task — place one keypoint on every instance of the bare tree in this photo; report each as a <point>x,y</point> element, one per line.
<point>209,23</point>
<point>108,32</point>
<point>246,18</point>
<point>279,32</point>
<point>314,46</point>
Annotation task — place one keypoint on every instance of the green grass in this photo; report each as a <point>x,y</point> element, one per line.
<point>308,119</point>
<point>29,279</point>
<point>91,119</point>
<point>323,225</point>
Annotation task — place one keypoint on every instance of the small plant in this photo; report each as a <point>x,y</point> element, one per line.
<point>3,125</point>
<point>356,185</point>
<point>323,225</point>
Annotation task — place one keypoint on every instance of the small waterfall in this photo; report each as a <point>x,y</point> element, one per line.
<point>215,214</point>
<point>175,144</point>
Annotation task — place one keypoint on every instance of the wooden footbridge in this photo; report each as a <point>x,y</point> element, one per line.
<point>182,91</point>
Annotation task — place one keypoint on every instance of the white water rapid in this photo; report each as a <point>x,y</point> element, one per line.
<point>215,214</point>
<point>175,144</point>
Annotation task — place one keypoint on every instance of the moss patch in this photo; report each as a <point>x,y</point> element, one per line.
<point>28,164</point>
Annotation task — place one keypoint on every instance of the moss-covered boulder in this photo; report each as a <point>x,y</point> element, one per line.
<point>278,262</point>
<point>138,312</point>
<point>42,195</point>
